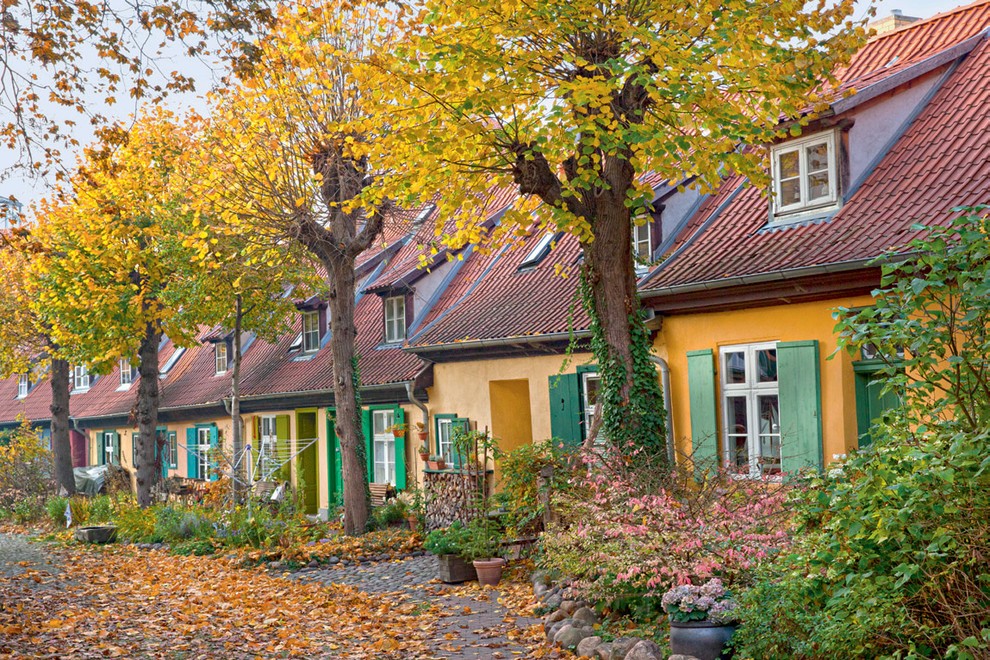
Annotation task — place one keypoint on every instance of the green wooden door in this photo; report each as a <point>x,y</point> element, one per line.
<point>306,462</point>
<point>565,408</point>
<point>871,400</point>
<point>335,474</point>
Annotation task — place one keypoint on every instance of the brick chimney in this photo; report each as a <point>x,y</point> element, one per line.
<point>895,21</point>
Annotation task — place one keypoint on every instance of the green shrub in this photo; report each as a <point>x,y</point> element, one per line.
<point>519,483</point>
<point>28,510</point>
<point>393,511</point>
<point>194,547</point>
<point>450,541</point>
<point>56,507</point>
<point>136,524</point>
<point>100,509</point>
<point>81,509</point>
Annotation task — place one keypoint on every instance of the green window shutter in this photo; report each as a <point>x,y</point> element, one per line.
<point>116,448</point>
<point>101,449</point>
<point>282,441</point>
<point>462,424</point>
<point>800,405</point>
<point>704,416</point>
<point>192,464</point>
<point>335,478</point>
<point>565,408</point>
<point>214,441</point>
<point>367,430</point>
<point>400,451</point>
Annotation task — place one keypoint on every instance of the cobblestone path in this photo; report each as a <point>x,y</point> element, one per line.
<point>472,622</point>
<point>18,555</point>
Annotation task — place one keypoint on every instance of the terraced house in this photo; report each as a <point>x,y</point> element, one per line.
<point>739,287</point>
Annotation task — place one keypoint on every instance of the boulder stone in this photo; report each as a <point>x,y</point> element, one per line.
<point>586,647</point>
<point>586,616</point>
<point>539,577</point>
<point>553,601</point>
<point>553,618</point>
<point>570,606</point>
<point>555,627</point>
<point>603,651</point>
<point>621,646</point>
<point>569,636</point>
<point>539,589</point>
<point>645,650</point>
<point>679,656</point>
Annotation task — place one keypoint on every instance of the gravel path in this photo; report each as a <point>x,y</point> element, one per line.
<point>474,626</point>
<point>18,555</point>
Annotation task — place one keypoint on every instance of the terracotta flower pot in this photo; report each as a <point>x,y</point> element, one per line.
<point>702,639</point>
<point>489,570</point>
<point>424,457</point>
<point>413,522</point>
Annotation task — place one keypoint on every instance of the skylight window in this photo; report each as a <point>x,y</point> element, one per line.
<point>126,373</point>
<point>171,361</point>
<point>539,251</point>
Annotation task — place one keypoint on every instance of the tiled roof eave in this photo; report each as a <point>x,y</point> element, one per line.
<point>497,342</point>
<point>763,278</point>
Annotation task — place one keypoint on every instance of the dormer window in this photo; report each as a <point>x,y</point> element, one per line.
<point>395,319</point>
<point>311,331</point>
<point>80,378</point>
<point>220,357</point>
<point>805,174</point>
<point>23,386</point>
<point>126,373</point>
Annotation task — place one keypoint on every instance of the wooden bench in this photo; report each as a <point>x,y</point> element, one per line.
<point>379,492</point>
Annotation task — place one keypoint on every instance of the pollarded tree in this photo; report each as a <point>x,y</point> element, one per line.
<point>115,271</point>
<point>285,165</point>
<point>574,102</point>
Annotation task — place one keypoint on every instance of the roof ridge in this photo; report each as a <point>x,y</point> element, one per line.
<point>929,20</point>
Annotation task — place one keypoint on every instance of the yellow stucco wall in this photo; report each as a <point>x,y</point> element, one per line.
<point>467,390</point>
<point>797,322</point>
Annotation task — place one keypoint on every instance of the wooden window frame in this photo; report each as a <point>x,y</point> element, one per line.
<point>23,385</point>
<point>216,358</point>
<point>781,213</point>
<point>394,320</point>
<point>311,336</point>
<point>751,390</point>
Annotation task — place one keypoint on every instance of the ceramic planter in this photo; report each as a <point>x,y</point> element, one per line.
<point>489,570</point>
<point>454,568</point>
<point>702,639</point>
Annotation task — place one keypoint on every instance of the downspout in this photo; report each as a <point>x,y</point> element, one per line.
<point>668,412</point>
<point>419,404</point>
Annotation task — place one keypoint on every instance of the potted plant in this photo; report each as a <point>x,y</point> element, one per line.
<point>398,430</point>
<point>482,547</point>
<point>424,452</point>
<point>413,502</point>
<point>447,545</point>
<point>702,619</point>
<point>421,433</point>
<point>437,462</point>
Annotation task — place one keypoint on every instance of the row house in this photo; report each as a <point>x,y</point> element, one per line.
<point>739,286</point>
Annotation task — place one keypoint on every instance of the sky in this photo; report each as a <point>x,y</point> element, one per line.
<point>29,191</point>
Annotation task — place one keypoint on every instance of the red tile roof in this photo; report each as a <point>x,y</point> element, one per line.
<point>942,161</point>
<point>490,298</point>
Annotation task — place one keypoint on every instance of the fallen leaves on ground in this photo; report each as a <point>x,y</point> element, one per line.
<point>122,602</point>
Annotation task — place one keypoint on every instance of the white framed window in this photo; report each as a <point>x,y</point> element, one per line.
<point>220,355</point>
<point>126,372</point>
<point>310,332</point>
<point>395,319</point>
<point>203,452</point>
<point>384,439</point>
<point>805,174</point>
<point>590,383</point>
<point>642,243</point>
<point>268,458</point>
<point>80,378</point>
<point>109,439</point>
<point>445,439</point>
<point>750,409</point>
<point>23,386</point>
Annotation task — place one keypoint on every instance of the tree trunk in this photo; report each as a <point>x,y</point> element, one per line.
<point>61,446</point>
<point>357,498</point>
<point>237,434</point>
<point>147,414</point>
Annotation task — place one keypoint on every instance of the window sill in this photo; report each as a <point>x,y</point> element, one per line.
<point>821,213</point>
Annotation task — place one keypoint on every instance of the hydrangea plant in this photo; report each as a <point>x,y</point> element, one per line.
<point>709,602</point>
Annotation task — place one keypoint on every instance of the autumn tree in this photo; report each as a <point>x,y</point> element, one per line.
<point>65,67</point>
<point>26,345</point>
<point>286,165</point>
<point>574,102</point>
<point>115,273</point>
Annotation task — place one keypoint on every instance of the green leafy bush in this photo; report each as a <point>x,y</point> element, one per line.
<point>56,507</point>
<point>393,511</point>
<point>519,483</point>
<point>100,509</point>
<point>450,541</point>
<point>26,469</point>
<point>890,558</point>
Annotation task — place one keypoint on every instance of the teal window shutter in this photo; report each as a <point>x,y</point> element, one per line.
<point>463,425</point>
<point>565,408</point>
<point>102,447</point>
<point>704,415</point>
<point>367,430</point>
<point>214,441</point>
<point>400,451</point>
<point>116,448</point>
<point>192,462</point>
<point>800,405</point>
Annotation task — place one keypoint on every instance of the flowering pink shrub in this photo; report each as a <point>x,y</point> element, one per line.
<point>627,530</point>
